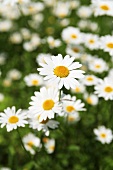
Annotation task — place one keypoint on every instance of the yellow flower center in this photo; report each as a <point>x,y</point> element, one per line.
<point>77,89</point>
<point>74,36</point>
<point>70,108</point>
<point>48,104</point>
<point>104,7</point>
<point>110,45</point>
<point>76,50</point>
<point>91,41</point>
<point>30,144</point>
<point>52,148</point>
<point>108,89</point>
<point>13,119</point>
<point>103,135</point>
<point>89,100</point>
<point>90,78</point>
<point>61,71</point>
<point>71,119</point>
<point>34,82</point>
<point>97,66</point>
<point>45,140</point>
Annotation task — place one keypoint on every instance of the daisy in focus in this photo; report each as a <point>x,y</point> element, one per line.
<point>45,103</point>
<point>31,142</point>
<point>104,88</point>
<point>103,134</point>
<point>33,80</point>
<point>62,71</point>
<point>13,119</point>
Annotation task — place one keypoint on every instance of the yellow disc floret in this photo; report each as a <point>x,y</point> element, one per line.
<point>13,119</point>
<point>61,71</point>
<point>48,104</point>
<point>70,108</point>
<point>108,89</point>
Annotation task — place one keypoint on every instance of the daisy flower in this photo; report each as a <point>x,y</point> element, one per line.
<point>73,117</point>
<point>53,43</point>
<point>71,105</point>
<point>102,7</point>
<point>84,12</point>
<point>30,141</point>
<point>33,80</point>
<point>44,125</point>
<point>98,65</point>
<point>104,88</point>
<point>45,103</point>
<point>103,134</point>
<point>91,41</point>
<point>106,43</point>
<point>90,80</point>
<point>79,89</point>
<point>50,146</point>
<point>40,58</point>
<point>72,35</point>
<point>91,99</point>
<point>62,71</point>
<point>13,119</point>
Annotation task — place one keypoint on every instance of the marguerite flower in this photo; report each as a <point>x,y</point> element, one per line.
<point>90,80</point>
<point>33,80</point>
<point>50,145</point>
<point>103,134</point>
<point>72,35</point>
<point>91,99</point>
<point>45,103</point>
<point>71,105</point>
<point>12,119</point>
<point>44,125</point>
<point>106,43</point>
<point>62,71</point>
<point>73,117</point>
<point>30,141</point>
<point>104,88</point>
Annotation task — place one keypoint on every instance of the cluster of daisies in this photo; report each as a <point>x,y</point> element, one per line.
<point>78,72</point>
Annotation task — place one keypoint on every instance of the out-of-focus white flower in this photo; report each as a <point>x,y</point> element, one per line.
<point>74,50</point>
<point>2,58</point>
<point>14,74</point>
<point>53,42</point>
<point>106,43</point>
<point>90,80</point>
<point>104,88</point>
<point>33,80</point>
<point>79,89</point>
<point>41,58</point>
<point>72,35</point>
<point>1,97</point>
<point>73,117</point>
<point>102,7</point>
<point>16,38</point>
<point>84,12</point>
<point>91,99</point>
<point>25,33</point>
<point>5,25</point>
<point>30,142</point>
<point>103,134</point>
<point>50,145</point>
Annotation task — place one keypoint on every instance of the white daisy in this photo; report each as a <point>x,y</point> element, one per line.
<point>91,99</point>
<point>103,134</point>
<point>98,65</point>
<point>106,43</point>
<point>30,141</point>
<point>104,88</point>
<point>79,89</point>
<point>91,41</point>
<point>84,12</point>
<point>102,7</point>
<point>40,58</point>
<point>33,80</point>
<point>90,80</point>
<point>12,119</point>
<point>50,145</point>
<point>62,71</point>
<point>44,125</point>
<point>72,35</point>
<point>53,42</point>
<point>45,103</point>
<point>71,105</point>
<point>73,117</point>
